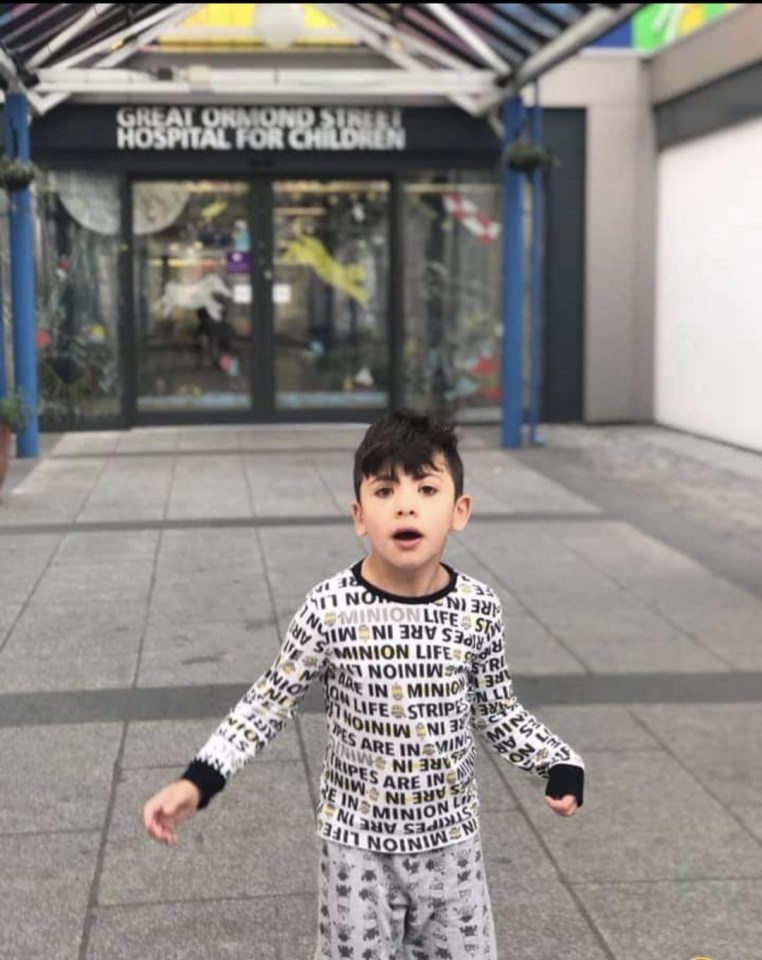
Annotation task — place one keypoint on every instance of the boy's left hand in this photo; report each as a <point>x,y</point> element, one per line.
<point>565,807</point>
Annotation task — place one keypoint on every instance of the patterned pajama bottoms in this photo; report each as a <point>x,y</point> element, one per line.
<point>397,906</point>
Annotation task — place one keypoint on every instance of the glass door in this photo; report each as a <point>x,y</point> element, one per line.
<point>330,294</point>
<point>192,295</point>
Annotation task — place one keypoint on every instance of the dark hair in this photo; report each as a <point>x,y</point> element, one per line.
<point>409,440</point>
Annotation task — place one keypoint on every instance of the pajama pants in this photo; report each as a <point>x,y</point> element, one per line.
<point>398,906</point>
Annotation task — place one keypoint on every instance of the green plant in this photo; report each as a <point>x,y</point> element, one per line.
<point>525,155</point>
<point>14,412</point>
<point>15,174</point>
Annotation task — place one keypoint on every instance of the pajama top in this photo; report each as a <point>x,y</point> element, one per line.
<point>406,680</point>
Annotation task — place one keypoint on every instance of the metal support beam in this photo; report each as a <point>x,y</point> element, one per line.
<point>589,28</point>
<point>513,285</point>
<point>61,39</point>
<point>22,274</point>
<point>145,29</point>
<point>469,36</point>
<point>380,44</point>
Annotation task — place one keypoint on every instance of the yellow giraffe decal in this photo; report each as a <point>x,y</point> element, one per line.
<point>348,277</point>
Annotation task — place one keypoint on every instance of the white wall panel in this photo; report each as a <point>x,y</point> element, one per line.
<point>709,287</point>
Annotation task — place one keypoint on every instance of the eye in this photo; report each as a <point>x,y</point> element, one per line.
<point>382,492</point>
<point>428,489</point>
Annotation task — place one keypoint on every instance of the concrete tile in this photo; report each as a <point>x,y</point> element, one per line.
<point>209,487</point>
<point>494,793</point>
<point>289,486</point>
<point>71,631</point>
<point>597,727</point>
<point>22,561</point>
<point>101,442</point>
<point>721,743</point>
<point>539,920</point>
<point>720,919</point>
<point>9,613</point>
<point>518,487</point>
<point>217,438</point>
<point>644,818</point>
<point>234,929</point>
<point>296,926</point>
<point>532,650</point>
<point>216,549</point>
<point>167,743</point>
<point>257,838</point>
<point>211,596</point>
<point>149,440</point>
<point>92,583</point>
<point>113,546</point>
<point>33,674</point>
<point>203,653</point>
<point>511,849</point>
<point>76,761</point>
<point>43,899</point>
<point>720,615</point>
<point>751,816</point>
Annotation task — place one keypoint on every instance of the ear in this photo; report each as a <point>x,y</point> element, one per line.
<point>461,512</point>
<point>357,519</point>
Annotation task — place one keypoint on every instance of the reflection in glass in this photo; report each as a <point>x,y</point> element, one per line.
<point>452,243</point>
<point>192,294</point>
<point>330,293</point>
<point>77,280</point>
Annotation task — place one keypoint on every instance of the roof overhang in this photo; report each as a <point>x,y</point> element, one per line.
<point>471,54</point>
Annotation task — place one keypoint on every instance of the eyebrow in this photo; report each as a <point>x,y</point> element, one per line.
<point>428,475</point>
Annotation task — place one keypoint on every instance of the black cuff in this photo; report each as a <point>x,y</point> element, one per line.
<point>565,778</point>
<point>208,780</point>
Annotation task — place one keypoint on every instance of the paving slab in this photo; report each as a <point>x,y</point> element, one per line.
<point>236,929</point>
<point>35,674</point>
<point>172,744</point>
<point>95,442</point>
<point>56,778</point>
<point>111,546</point>
<point>712,918</point>
<point>43,899</point>
<point>201,653</point>
<point>299,490</point>
<point>70,630</point>
<point>211,596</point>
<point>644,818</point>
<point>184,552</point>
<point>721,744</point>
<point>257,838</point>
<point>721,616</point>
<point>209,487</point>
<point>127,581</point>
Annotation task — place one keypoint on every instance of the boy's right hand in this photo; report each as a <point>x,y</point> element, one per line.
<point>170,806</point>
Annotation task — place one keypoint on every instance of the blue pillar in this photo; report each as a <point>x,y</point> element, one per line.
<point>513,283</point>
<point>22,274</point>
<point>3,379</point>
<point>536,277</point>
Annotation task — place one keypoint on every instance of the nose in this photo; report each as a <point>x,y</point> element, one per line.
<point>404,509</point>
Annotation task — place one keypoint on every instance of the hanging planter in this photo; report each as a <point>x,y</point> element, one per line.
<point>526,156</point>
<point>15,174</point>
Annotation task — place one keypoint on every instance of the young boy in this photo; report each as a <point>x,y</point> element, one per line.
<point>410,654</point>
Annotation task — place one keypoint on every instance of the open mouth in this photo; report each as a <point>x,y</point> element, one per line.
<point>407,536</point>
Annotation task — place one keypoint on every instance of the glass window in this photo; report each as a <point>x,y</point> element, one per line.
<point>77,277</point>
<point>193,294</point>
<point>452,252</point>
<point>330,294</point>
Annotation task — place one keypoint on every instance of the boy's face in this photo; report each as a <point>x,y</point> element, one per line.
<point>407,520</point>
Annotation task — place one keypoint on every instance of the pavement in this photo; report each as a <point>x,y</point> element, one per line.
<point>147,576</point>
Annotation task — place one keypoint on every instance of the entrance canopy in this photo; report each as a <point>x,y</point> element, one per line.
<point>472,54</point>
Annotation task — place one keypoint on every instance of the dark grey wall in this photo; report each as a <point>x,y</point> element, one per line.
<point>564,294</point>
